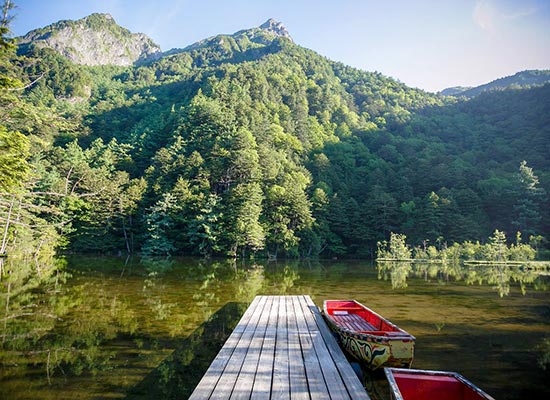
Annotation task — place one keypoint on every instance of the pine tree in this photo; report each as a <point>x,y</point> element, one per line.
<point>527,208</point>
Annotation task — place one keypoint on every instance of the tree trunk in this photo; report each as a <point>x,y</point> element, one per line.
<point>126,236</point>
<point>6,228</point>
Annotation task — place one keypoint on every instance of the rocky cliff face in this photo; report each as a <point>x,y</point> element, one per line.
<point>276,28</point>
<point>94,40</point>
<point>242,40</point>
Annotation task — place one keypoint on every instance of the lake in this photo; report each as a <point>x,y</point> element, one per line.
<point>138,329</point>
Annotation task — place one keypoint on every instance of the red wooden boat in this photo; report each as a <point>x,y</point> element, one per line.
<point>408,384</point>
<point>371,339</point>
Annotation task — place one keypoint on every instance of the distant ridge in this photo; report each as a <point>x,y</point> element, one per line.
<point>455,90</point>
<point>519,80</point>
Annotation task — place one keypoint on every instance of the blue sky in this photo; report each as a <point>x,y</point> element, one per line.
<point>430,44</point>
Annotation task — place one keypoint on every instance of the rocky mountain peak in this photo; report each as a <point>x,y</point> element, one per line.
<point>275,27</point>
<point>93,40</point>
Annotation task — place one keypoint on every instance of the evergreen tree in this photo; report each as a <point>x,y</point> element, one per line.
<point>14,147</point>
<point>527,211</point>
<point>254,144</point>
<point>14,152</point>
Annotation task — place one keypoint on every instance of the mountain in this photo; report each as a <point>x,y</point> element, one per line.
<point>94,40</point>
<point>455,90</point>
<point>249,143</point>
<point>275,27</point>
<point>241,41</point>
<point>521,79</point>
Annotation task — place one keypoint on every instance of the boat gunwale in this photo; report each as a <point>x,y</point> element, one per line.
<point>388,371</point>
<point>404,335</point>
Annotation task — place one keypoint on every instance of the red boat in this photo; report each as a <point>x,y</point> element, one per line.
<point>371,339</point>
<point>408,384</point>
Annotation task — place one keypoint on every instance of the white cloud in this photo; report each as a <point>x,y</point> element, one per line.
<point>489,16</point>
<point>520,14</point>
<point>485,15</point>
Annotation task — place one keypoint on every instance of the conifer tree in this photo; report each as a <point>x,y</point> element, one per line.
<point>527,208</point>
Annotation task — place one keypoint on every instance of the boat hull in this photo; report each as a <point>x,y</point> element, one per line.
<point>375,351</point>
<point>368,337</point>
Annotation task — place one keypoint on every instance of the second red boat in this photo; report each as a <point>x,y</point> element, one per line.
<point>413,384</point>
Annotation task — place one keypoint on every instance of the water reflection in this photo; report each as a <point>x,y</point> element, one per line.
<point>30,311</point>
<point>498,276</point>
<point>105,328</point>
<point>67,323</point>
<point>178,374</point>
<point>375,382</point>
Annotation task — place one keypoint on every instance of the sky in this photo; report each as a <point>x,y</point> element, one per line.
<point>429,44</point>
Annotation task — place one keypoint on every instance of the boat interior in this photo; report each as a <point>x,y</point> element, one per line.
<point>350,315</point>
<point>432,387</point>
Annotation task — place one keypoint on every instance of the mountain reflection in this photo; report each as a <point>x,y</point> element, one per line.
<point>500,277</point>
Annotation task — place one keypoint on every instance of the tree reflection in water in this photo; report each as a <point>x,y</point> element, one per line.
<point>500,276</point>
<point>178,374</point>
<point>56,331</point>
<point>99,327</point>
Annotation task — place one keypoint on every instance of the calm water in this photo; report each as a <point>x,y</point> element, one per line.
<point>103,328</point>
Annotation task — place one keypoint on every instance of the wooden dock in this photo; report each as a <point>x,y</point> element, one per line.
<point>280,349</point>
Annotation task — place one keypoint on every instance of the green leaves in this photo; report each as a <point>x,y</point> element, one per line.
<point>530,195</point>
<point>14,152</point>
<point>249,143</point>
<point>244,210</point>
<point>159,224</point>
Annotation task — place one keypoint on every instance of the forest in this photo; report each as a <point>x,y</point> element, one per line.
<point>249,145</point>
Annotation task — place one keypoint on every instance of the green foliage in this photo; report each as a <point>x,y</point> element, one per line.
<point>242,218</point>
<point>395,249</point>
<point>249,144</point>
<point>527,207</point>
<point>59,78</point>
<point>159,224</point>
<point>523,79</point>
<point>14,147</point>
<point>14,152</point>
<point>495,250</point>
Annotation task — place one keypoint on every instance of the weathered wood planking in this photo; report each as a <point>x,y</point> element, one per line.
<point>354,322</point>
<point>280,349</point>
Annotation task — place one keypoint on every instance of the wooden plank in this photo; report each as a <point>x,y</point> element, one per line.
<point>361,324</point>
<point>280,388</point>
<point>353,322</point>
<point>280,349</point>
<point>264,373</point>
<point>351,382</point>
<point>298,380</point>
<point>245,381</point>
<point>210,379</point>
<point>227,381</point>
<point>316,382</point>
<point>335,384</point>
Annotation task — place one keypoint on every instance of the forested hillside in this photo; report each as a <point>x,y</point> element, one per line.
<point>520,80</point>
<point>250,144</point>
